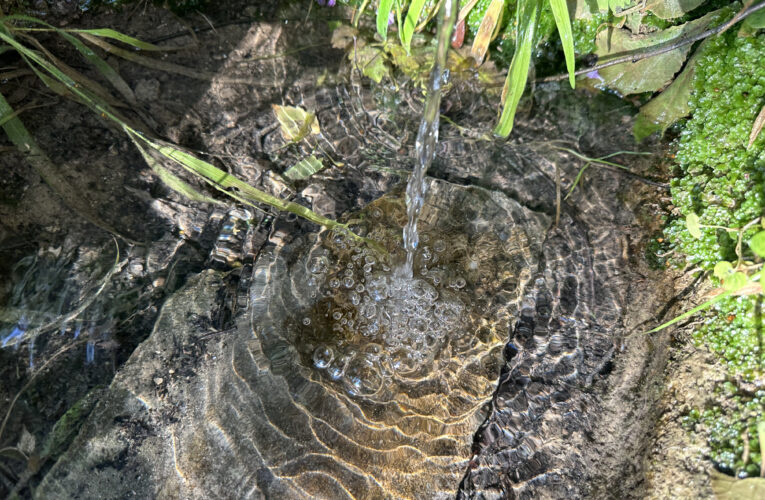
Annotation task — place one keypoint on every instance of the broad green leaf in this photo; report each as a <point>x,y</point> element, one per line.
<point>296,123</point>
<point>671,9</point>
<point>757,243</point>
<point>482,38</point>
<point>650,74</point>
<point>527,14</point>
<point>563,22</point>
<point>735,281</point>
<point>371,62</point>
<point>692,222</point>
<point>602,5</point>
<point>756,20</point>
<point>410,22</point>
<point>723,269</point>
<point>383,14</point>
<point>304,169</point>
<point>672,104</point>
<point>730,488</point>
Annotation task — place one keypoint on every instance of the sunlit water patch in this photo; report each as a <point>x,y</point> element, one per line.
<point>386,376</point>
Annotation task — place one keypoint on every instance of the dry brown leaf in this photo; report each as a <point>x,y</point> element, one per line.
<point>757,127</point>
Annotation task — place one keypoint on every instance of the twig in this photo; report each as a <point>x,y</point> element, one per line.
<point>633,58</point>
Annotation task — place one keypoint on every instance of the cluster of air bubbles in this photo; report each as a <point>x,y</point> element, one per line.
<point>381,323</point>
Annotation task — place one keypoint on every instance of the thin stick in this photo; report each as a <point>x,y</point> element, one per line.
<point>661,50</point>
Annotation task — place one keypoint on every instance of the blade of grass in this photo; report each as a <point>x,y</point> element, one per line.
<point>116,35</point>
<point>23,140</point>
<point>410,22</point>
<point>527,15</point>
<point>563,22</point>
<point>227,182</point>
<point>483,37</point>
<point>170,179</point>
<point>383,14</point>
<point>690,313</point>
<point>95,87</point>
<point>107,71</point>
<point>165,66</point>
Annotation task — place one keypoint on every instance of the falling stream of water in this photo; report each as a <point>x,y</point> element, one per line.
<point>427,136</point>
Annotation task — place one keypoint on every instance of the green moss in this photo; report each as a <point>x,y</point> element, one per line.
<point>722,181</point>
<point>727,427</point>
<point>585,31</point>
<point>733,330</point>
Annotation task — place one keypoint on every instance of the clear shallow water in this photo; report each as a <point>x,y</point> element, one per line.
<point>385,378</point>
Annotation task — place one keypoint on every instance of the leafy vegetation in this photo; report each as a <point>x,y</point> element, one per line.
<point>15,34</point>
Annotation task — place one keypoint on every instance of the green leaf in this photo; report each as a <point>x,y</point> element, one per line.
<point>671,9</point>
<point>762,285</point>
<point>563,22</point>
<point>650,74</point>
<point>729,488</point>
<point>757,243</point>
<point>296,123</point>
<point>304,168</point>
<point>672,104</point>
<point>692,223</point>
<point>735,281</point>
<point>412,16</point>
<point>383,14</point>
<point>756,20</point>
<point>527,14</point>
<point>723,269</point>
<point>371,61</point>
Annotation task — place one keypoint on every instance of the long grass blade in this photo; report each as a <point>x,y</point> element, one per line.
<point>23,140</point>
<point>107,71</point>
<point>488,25</point>
<point>690,313</point>
<point>410,22</point>
<point>116,35</point>
<point>170,179</point>
<point>383,14</point>
<point>228,182</point>
<point>517,75</point>
<point>563,22</point>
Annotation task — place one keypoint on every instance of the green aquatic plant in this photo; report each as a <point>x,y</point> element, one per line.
<point>16,34</point>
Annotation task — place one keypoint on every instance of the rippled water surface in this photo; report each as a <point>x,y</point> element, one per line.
<point>385,376</point>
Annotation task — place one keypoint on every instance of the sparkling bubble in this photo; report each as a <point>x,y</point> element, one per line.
<point>322,357</point>
<point>318,265</point>
<point>337,315</point>
<point>334,283</point>
<point>348,282</point>
<point>355,297</point>
<point>306,321</point>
